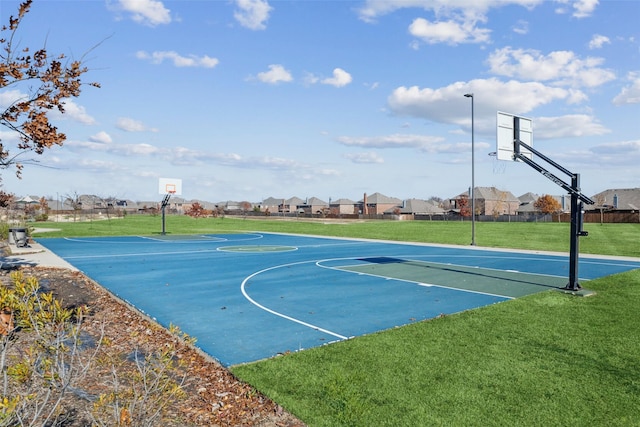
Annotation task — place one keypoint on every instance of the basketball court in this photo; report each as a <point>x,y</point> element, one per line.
<point>251,296</point>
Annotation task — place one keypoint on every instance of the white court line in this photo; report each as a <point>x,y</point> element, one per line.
<point>318,263</point>
<point>404,280</point>
<point>197,238</point>
<point>284,316</point>
<point>425,258</point>
<point>139,254</point>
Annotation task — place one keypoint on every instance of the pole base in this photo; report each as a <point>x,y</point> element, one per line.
<point>572,287</point>
<point>577,293</point>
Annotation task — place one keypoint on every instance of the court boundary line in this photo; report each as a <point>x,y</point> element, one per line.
<point>318,264</point>
<point>282,315</point>
<point>452,246</point>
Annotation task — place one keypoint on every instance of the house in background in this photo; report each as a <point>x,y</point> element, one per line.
<point>622,199</point>
<point>527,204</point>
<point>492,201</point>
<point>270,204</point>
<point>313,205</point>
<point>343,207</point>
<point>488,201</point>
<point>420,207</point>
<point>290,205</point>
<point>377,204</point>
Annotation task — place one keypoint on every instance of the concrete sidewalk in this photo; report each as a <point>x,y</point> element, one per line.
<point>34,254</point>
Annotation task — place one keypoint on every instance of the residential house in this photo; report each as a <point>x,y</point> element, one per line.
<point>313,205</point>
<point>527,202</point>
<point>270,205</point>
<point>377,204</point>
<point>492,201</point>
<point>290,205</point>
<point>420,207</point>
<point>489,201</point>
<point>621,199</point>
<point>343,207</point>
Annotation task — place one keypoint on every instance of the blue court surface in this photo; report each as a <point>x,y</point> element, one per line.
<point>251,296</point>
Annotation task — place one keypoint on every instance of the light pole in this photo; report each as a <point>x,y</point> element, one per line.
<point>473,184</point>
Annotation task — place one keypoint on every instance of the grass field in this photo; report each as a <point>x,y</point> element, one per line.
<point>547,359</point>
<point>605,239</point>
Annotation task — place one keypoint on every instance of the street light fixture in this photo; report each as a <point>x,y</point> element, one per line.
<point>473,184</point>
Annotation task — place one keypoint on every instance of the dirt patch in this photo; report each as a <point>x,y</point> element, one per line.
<point>214,396</point>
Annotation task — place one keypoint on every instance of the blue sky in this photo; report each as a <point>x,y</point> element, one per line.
<point>249,99</point>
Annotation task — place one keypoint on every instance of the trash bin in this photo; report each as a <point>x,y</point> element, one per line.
<point>18,236</point>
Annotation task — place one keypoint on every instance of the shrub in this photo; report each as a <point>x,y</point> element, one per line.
<point>53,373</point>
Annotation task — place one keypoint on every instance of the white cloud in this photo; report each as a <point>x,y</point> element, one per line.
<point>391,141</point>
<point>101,137</point>
<point>147,12</point>
<point>624,147</point>
<point>74,112</point>
<point>521,27</point>
<point>629,94</point>
<point>584,8</point>
<point>373,9</point>
<point>310,79</point>
<point>276,74</point>
<point>456,20</point>
<point>597,41</point>
<point>252,14</point>
<point>178,60</point>
<point>9,96</point>
<point>618,153</point>
<point>369,157</point>
<point>560,67</point>
<point>581,8</point>
<point>125,150</point>
<point>95,165</point>
<point>130,125</point>
<point>568,126</point>
<point>451,32</point>
<point>447,104</point>
<point>340,78</point>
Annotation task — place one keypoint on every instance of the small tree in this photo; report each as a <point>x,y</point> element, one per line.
<point>246,207</point>
<point>547,205</point>
<point>49,362</point>
<point>463,205</point>
<point>196,210</point>
<point>46,80</point>
<point>75,202</point>
<point>43,207</point>
<point>6,199</point>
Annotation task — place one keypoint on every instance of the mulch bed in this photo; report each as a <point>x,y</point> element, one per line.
<point>214,396</point>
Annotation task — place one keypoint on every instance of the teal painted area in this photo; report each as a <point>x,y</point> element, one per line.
<point>497,282</point>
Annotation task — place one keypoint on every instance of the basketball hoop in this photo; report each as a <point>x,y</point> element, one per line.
<point>170,186</point>
<point>499,166</point>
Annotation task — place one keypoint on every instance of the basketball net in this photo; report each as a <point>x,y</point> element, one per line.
<point>499,166</point>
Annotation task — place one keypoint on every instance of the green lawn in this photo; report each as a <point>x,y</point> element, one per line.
<point>605,239</point>
<point>546,360</point>
<point>549,359</point>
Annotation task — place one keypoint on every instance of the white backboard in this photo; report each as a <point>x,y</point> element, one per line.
<point>170,186</point>
<point>505,137</point>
